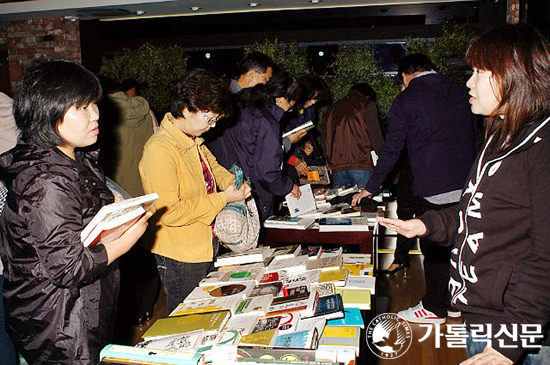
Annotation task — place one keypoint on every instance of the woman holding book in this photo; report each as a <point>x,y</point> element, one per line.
<point>60,297</point>
<point>178,166</point>
<point>500,260</point>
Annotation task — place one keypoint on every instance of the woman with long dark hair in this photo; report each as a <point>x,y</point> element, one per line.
<point>499,264</point>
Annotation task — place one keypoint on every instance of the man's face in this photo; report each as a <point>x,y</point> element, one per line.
<point>259,77</point>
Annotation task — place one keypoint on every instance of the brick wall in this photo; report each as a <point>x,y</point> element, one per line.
<point>40,38</point>
<point>513,12</point>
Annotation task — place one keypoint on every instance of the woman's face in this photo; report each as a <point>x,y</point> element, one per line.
<point>197,123</point>
<point>79,128</point>
<point>484,92</point>
<point>310,102</point>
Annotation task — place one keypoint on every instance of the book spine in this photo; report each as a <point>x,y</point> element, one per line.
<point>158,356</point>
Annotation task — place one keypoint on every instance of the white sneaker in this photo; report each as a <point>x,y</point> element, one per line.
<point>419,314</point>
<point>453,314</point>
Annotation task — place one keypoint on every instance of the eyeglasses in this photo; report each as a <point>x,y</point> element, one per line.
<point>264,77</point>
<point>209,120</point>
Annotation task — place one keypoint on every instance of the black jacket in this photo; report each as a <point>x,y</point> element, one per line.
<point>501,233</point>
<point>432,118</point>
<point>60,298</point>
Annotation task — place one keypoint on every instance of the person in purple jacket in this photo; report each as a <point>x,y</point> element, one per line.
<point>258,149</point>
<point>500,277</point>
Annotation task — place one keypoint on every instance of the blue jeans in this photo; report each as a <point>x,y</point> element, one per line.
<point>351,177</point>
<point>180,278</point>
<point>540,358</point>
<point>7,351</point>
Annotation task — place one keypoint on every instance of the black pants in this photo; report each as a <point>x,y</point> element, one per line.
<point>436,264</point>
<point>405,211</point>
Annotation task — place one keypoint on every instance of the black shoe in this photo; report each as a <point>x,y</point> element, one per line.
<point>403,266</point>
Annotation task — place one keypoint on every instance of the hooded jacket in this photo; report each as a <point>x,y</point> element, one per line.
<point>501,257</point>
<point>60,297</point>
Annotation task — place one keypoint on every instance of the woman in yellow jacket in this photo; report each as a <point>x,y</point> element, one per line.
<point>184,173</point>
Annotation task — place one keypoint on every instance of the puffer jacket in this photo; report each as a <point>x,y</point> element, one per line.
<point>60,297</point>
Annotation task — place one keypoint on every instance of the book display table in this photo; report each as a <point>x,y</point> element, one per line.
<point>364,240</point>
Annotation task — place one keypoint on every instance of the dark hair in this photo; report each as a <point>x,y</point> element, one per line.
<point>518,57</point>
<point>313,86</point>
<point>130,84</point>
<point>365,89</point>
<point>255,61</point>
<point>202,90</point>
<point>282,84</point>
<point>45,92</point>
<point>416,62</point>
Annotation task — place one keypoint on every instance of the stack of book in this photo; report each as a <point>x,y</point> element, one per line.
<point>272,308</point>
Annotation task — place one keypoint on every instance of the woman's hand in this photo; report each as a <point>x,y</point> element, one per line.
<point>234,195</point>
<point>411,228</point>
<point>124,243</point>
<point>357,197</point>
<point>296,136</point>
<point>300,166</point>
<point>489,356</point>
<point>296,192</point>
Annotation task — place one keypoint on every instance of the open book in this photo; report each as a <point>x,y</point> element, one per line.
<point>114,219</point>
<point>306,126</point>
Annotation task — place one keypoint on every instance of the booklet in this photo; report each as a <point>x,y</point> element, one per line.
<point>114,219</point>
<point>306,126</point>
<point>305,204</point>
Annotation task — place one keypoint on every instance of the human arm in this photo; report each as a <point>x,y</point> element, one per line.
<point>124,243</point>
<point>409,228</point>
<point>359,196</point>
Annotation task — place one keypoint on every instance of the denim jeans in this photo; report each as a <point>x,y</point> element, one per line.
<point>7,351</point>
<point>540,358</point>
<point>351,177</point>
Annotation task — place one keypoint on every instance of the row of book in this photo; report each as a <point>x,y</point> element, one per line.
<point>259,308</point>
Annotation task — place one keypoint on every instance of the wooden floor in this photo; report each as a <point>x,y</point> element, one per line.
<point>402,293</point>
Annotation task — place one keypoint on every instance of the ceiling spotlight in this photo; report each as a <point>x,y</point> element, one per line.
<point>321,53</point>
<point>207,55</point>
<point>140,12</point>
<point>72,18</point>
<point>253,4</point>
<point>315,1</point>
<point>195,8</point>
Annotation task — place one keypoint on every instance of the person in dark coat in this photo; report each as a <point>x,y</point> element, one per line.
<point>257,139</point>
<point>60,296</point>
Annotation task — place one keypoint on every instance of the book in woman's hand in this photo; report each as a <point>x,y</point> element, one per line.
<point>114,219</point>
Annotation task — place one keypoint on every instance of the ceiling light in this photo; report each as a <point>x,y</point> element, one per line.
<point>253,4</point>
<point>140,12</point>
<point>315,1</point>
<point>195,8</point>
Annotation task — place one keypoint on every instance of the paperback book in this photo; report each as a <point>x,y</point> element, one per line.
<point>286,252</point>
<point>287,222</point>
<point>240,291</point>
<point>167,326</point>
<point>114,219</point>
<point>233,276</point>
<point>207,305</point>
<point>305,204</point>
<point>257,304</point>
<point>306,126</point>
<point>258,254</point>
<point>112,353</point>
<point>188,341</point>
<point>343,224</point>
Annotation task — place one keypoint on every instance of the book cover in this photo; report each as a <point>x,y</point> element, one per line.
<point>266,289</point>
<point>275,353</point>
<point>244,323</point>
<point>355,298</point>
<point>324,289</point>
<point>306,126</point>
<point>237,275</point>
<point>267,323</point>
<point>337,276</point>
<point>258,254</point>
<point>159,356</point>
<point>306,306</point>
<point>285,220</point>
<point>291,264</point>
<point>264,338</point>
<point>285,252</point>
<point>298,295</point>
<point>221,290</point>
<point>257,304</point>
<point>114,219</point>
<point>358,264</point>
<point>300,340</point>
<point>352,317</point>
<point>343,224</point>
<point>316,175</point>
<point>300,223</point>
<point>325,263</point>
<point>288,322</point>
<point>292,291</point>
<point>332,252</point>
<point>305,204</point>
<point>270,278</point>
<point>362,282</point>
<point>330,307</point>
<point>213,321</point>
<point>207,305</point>
<point>304,278</point>
<point>188,341</point>
<point>340,336</point>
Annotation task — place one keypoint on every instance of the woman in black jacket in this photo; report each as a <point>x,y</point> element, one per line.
<point>60,297</point>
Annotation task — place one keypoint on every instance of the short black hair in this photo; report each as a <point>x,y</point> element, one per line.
<point>365,89</point>
<point>129,84</point>
<point>45,92</point>
<point>255,61</point>
<point>416,62</point>
<point>313,86</point>
<point>282,84</point>
<point>202,90</point>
